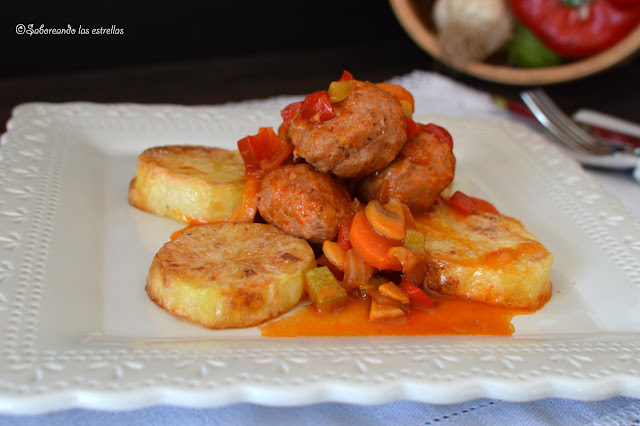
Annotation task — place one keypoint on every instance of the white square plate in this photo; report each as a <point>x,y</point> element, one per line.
<point>79,331</point>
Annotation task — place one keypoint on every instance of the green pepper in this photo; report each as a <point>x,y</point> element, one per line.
<point>526,51</point>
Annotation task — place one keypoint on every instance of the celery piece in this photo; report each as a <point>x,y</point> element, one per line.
<point>414,241</point>
<point>324,289</point>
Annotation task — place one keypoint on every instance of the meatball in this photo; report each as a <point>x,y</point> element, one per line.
<point>366,134</point>
<point>304,202</point>
<point>424,167</point>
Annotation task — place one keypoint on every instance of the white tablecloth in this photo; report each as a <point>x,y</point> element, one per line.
<point>442,96</point>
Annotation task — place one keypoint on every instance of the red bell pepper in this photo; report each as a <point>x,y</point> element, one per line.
<point>343,237</point>
<point>462,203</point>
<point>417,297</point>
<point>346,76</point>
<point>413,129</point>
<point>263,152</point>
<point>439,132</point>
<point>289,113</point>
<point>578,28</point>
<point>316,108</point>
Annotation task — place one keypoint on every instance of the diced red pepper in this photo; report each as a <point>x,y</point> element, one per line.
<point>439,132</point>
<point>343,237</point>
<point>413,129</point>
<point>289,113</point>
<point>263,152</point>
<point>317,108</point>
<point>417,297</point>
<point>462,203</point>
<point>480,205</point>
<point>346,76</point>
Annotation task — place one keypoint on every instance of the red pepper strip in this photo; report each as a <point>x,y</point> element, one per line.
<point>413,129</point>
<point>480,205</point>
<point>417,297</point>
<point>263,152</point>
<point>317,108</point>
<point>576,32</point>
<point>346,76</point>
<point>462,203</point>
<point>343,237</point>
<point>439,132</point>
<point>288,114</point>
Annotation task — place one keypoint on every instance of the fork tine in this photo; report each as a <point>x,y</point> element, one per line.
<point>541,114</point>
<point>567,132</point>
<point>569,127</point>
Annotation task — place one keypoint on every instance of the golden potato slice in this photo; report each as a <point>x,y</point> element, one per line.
<point>230,274</point>
<point>486,257</point>
<point>188,183</point>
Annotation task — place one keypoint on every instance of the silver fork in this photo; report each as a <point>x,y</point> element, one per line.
<point>567,131</point>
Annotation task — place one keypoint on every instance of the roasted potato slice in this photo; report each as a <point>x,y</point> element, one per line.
<point>188,183</point>
<point>230,275</point>
<point>486,257</point>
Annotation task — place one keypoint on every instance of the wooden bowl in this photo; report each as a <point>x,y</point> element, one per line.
<point>415,17</point>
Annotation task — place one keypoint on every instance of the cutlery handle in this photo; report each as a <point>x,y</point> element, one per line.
<point>609,127</point>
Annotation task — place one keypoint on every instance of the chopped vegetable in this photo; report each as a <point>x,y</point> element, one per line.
<point>414,265</point>
<point>323,261</point>
<point>480,205</point>
<point>412,128</point>
<point>247,207</point>
<point>343,237</point>
<point>470,30</point>
<point>317,108</point>
<point>393,292</point>
<point>289,113</point>
<point>371,246</point>
<point>409,221</point>
<point>417,297</point>
<point>339,90</point>
<point>346,76</point>
<point>462,203</point>
<point>575,29</point>
<point>439,132</point>
<point>403,95</point>
<point>527,51</point>
<point>324,290</point>
<point>414,241</point>
<point>384,311</point>
<point>335,254</point>
<point>384,221</point>
<point>263,152</point>
<point>356,271</point>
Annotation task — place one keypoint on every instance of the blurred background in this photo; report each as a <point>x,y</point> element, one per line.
<point>197,52</point>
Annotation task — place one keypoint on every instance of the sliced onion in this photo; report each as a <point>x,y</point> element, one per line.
<point>414,265</point>
<point>356,271</point>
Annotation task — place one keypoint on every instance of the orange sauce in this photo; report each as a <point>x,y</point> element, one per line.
<point>452,316</point>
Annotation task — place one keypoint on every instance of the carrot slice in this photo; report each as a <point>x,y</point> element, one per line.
<point>370,245</point>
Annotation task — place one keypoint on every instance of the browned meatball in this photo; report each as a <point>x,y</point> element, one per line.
<point>424,167</point>
<point>304,202</point>
<point>366,134</point>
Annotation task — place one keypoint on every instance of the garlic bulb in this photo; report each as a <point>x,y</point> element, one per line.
<point>471,29</point>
